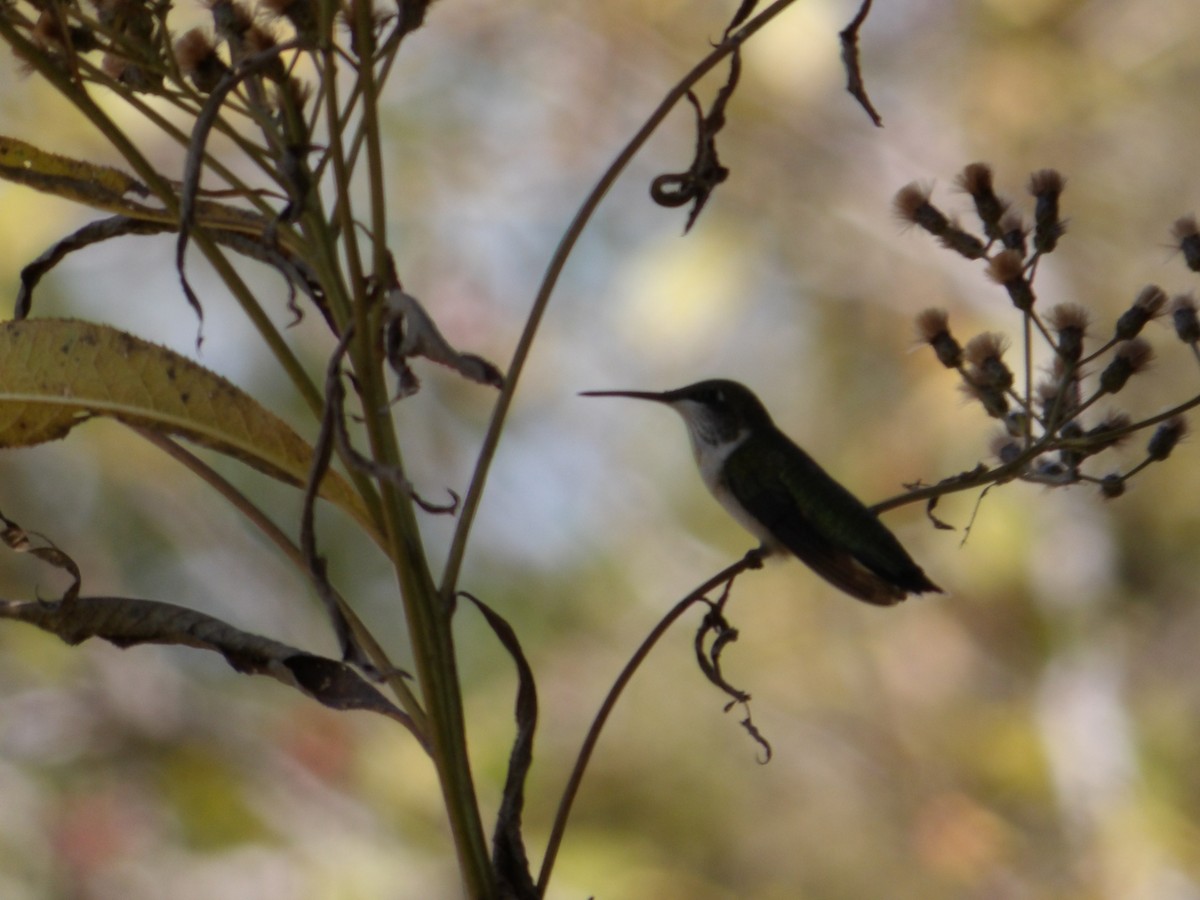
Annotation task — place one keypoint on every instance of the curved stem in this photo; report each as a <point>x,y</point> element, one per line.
<point>614,693</point>
<point>550,279</point>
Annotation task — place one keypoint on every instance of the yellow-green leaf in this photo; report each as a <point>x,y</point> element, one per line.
<point>56,373</point>
<point>74,179</point>
<point>107,188</point>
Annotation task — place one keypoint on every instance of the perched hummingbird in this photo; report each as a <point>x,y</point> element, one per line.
<point>780,494</point>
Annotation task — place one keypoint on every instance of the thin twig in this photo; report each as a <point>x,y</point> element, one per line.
<point>561,253</point>
<point>854,79</point>
<point>750,561</point>
<point>194,164</point>
<point>983,476</point>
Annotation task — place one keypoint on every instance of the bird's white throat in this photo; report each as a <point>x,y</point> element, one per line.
<point>707,445</point>
<point>711,452</point>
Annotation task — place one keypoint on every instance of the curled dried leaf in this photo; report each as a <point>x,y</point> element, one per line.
<point>706,172</point>
<point>411,332</point>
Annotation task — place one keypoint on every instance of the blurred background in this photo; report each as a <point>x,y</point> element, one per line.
<point>1031,734</point>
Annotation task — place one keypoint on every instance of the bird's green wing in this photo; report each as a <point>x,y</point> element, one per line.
<point>823,524</point>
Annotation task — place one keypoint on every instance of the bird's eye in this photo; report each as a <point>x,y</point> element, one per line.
<point>719,396</point>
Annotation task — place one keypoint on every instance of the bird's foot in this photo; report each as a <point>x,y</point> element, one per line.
<point>754,558</point>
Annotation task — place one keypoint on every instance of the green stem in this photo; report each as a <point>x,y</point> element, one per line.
<point>428,617</point>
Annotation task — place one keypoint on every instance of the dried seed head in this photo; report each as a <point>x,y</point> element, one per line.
<point>995,404</point>
<point>1013,233</point>
<point>912,205</point>
<point>1047,186</point>
<point>114,66</point>
<point>48,35</point>
<point>1137,353</point>
<point>1016,422</point>
<point>988,377</point>
<point>198,60</point>
<point>1072,456</point>
<point>1005,266</point>
<point>1148,305</point>
<point>962,242</point>
<point>933,328</point>
<point>984,352</point>
<point>231,19</point>
<point>1187,238</point>
<point>1052,471</point>
<point>1183,314</point>
<point>976,180</point>
<point>107,11</point>
<point>1165,437</point>
<point>117,15</point>
<point>1112,486</point>
<point>1070,323</point>
<point>1131,357</point>
<point>135,76</point>
<point>1008,268</point>
<point>1046,183</point>
<point>1047,395</point>
<point>1110,432</point>
<point>1151,298</point>
<point>932,323</point>
<point>1005,449</point>
<point>258,39</point>
<point>255,40</point>
<point>1059,395</point>
<point>301,13</point>
<point>1069,317</point>
<point>1071,431</point>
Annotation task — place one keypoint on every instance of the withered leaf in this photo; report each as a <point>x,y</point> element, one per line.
<point>706,172</point>
<point>411,332</point>
<point>128,621</point>
<point>508,845</point>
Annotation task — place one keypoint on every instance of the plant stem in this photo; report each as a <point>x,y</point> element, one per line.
<point>606,708</point>
<point>565,246</point>
<point>427,613</point>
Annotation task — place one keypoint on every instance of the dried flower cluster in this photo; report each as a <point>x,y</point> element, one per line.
<point>135,47</point>
<point>237,76</point>
<point>1047,436</point>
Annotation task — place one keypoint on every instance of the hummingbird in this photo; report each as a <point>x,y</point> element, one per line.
<point>783,497</point>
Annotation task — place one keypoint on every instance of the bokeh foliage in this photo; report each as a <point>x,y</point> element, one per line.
<point>1031,735</point>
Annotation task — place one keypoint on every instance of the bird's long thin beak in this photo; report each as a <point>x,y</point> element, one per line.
<point>636,395</point>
